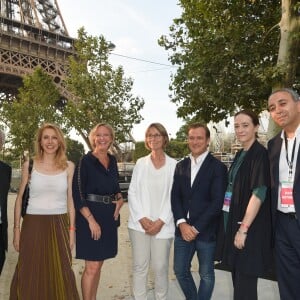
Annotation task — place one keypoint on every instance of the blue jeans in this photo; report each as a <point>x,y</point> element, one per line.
<point>183,255</point>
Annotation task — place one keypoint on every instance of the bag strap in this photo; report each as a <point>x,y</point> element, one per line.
<point>30,165</point>
<point>78,178</point>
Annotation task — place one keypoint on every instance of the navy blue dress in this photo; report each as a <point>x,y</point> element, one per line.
<point>96,179</point>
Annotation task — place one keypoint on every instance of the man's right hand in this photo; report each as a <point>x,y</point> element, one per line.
<point>187,232</point>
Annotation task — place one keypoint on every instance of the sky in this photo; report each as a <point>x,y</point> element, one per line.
<point>133,26</point>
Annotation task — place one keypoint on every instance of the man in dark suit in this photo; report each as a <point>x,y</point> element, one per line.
<point>197,197</point>
<point>284,155</point>
<point>5,177</point>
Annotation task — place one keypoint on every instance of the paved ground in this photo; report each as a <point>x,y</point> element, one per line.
<point>223,289</point>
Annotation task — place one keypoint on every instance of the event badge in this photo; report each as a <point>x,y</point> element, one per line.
<point>286,194</point>
<point>227,200</point>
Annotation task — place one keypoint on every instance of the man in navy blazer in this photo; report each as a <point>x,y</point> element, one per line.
<point>5,177</point>
<point>197,197</point>
<point>284,155</point>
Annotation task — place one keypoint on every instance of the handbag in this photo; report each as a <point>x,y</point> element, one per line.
<point>25,196</point>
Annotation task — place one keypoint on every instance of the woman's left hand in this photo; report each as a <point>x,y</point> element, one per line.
<point>119,203</point>
<point>156,227</point>
<point>240,239</point>
<point>72,239</point>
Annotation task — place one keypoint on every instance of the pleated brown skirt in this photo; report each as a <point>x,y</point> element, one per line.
<point>44,268</point>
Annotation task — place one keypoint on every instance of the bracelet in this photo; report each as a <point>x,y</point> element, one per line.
<point>72,228</point>
<point>245,225</point>
<point>15,227</point>
<point>120,197</point>
<point>88,216</point>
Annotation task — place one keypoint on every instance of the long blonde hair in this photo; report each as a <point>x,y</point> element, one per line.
<point>60,159</point>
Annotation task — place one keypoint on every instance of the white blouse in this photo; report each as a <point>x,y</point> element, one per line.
<point>149,195</point>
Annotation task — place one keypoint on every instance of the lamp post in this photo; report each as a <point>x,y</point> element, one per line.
<point>218,140</point>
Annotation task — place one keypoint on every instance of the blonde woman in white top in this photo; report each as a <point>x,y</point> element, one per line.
<point>45,242</point>
<point>151,225</point>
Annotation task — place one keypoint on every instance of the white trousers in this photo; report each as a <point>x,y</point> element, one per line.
<point>146,250</point>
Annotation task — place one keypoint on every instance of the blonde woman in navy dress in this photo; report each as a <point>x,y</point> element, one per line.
<point>47,236</point>
<point>98,199</point>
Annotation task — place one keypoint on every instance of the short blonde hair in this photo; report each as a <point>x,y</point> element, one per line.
<point>93,133</point>
<point>60,157</point>
<point>162,130</point>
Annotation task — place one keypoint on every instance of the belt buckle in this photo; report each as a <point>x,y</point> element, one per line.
<point>106,199</point>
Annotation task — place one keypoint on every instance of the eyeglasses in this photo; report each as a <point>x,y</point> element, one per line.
<point>153,136</point>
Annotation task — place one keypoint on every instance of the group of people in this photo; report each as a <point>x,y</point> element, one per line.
<point>66,206</point>
<point>240,217</point>
<point>236,216</point>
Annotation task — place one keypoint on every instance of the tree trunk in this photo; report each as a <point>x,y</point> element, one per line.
<point>288,50</point>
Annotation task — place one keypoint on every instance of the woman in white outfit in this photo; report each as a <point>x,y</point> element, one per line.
<point>151,225</point>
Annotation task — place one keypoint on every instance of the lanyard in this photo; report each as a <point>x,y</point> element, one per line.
<point>289,162</point>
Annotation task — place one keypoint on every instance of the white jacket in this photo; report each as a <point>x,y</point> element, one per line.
<point>138,197</point>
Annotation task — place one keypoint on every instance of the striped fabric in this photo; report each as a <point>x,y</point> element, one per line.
<point>44,269</point>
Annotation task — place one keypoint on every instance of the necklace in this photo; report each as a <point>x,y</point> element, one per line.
<point>158,161</point>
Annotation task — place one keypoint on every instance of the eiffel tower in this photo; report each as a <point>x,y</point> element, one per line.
<point>32,33</point>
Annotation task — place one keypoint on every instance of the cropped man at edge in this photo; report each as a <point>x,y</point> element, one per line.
<point>284,155</point>
<point>5,177</point>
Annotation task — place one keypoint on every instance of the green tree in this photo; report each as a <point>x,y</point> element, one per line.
<point>36,103</point>
<point>288,62</point>
<point>227,55</point>
<point>74,150</point>
<point>100,93</point>
<point>176,149</point>
<point>140,150</point>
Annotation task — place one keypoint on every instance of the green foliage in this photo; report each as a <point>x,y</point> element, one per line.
<point>175,149</point>
<point>74,150</point>
<point>226,53</point>
<point>101,93</point>
<point>140,151</point>
<point>36,103</point>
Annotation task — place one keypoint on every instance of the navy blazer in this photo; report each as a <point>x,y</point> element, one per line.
<point>274,149</point>
<point>203,200</point>
<point>5,177</point>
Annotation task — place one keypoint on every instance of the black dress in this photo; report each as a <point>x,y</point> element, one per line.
<point>96,179</point>
<point>255,258</point>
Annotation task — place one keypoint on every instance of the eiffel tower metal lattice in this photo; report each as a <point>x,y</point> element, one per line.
<point>32,33</point>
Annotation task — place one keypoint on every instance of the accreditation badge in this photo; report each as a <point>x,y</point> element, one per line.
<point>227,200</point>
<point>286,194</point>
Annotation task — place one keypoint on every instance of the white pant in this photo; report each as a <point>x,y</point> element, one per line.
<point>147,249</point>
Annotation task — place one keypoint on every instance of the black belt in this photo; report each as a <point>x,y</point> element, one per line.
<point>106,199</point>
<point>291,215</point>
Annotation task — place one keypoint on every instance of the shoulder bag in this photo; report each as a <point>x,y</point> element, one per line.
<point>79,180</point>
<point>25,196</point>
